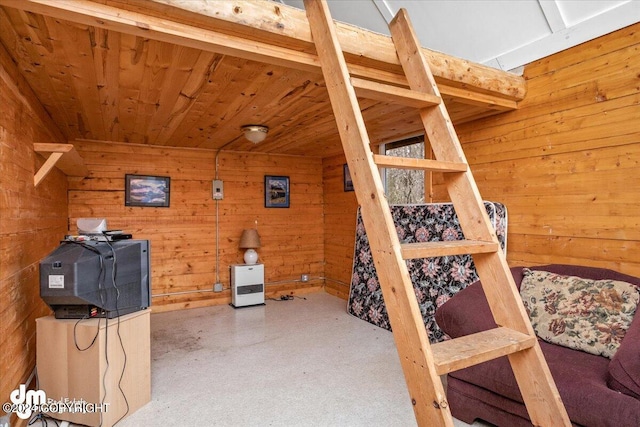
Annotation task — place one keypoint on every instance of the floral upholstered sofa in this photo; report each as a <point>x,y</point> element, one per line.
<point>588,331</point>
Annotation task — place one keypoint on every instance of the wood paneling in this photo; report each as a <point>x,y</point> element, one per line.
<point>566,163</point>
<point>105,80</point>
<point>183,236</point>
<point>32,221</point>
<point>340,210</point>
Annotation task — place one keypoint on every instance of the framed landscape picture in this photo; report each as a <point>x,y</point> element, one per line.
<point>276,191</point>
<point>147,191</point>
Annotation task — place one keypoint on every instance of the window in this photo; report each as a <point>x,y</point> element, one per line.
<point>405,186</point>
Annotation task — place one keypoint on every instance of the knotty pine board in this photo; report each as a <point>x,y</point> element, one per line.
<point>183,235</point>
<point>566,162</point>
<point>32,221</point>
<point>340,219</point>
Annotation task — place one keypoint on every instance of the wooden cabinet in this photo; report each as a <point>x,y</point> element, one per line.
<point>85,360</point>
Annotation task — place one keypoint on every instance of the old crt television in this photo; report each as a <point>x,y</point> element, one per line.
<point>96,278</point>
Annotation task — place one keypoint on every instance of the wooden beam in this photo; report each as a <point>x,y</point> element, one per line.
<point>424,385</point>
<point>393,94</point>
<point>532,373</point>
<point>164,29</point>
<point>281,20</point>
<point>447,248</point>
<point>470,350</point>
<point>413,163</point>
<point>64,156</point>
<point>484,100</point>
<point>279,35</point>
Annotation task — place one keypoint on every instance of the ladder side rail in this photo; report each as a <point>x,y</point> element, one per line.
<point>462,188</point>
<point>425,388</point>
<point>529,366</point>
<point>439,131</point>
<point>534,379</point>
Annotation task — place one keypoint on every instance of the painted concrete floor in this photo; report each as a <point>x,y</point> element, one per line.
<point>302,362</point>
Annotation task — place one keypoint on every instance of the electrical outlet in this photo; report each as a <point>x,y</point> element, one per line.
<point>304,278</point>
<point>216,288</point>
<point>4,420</point>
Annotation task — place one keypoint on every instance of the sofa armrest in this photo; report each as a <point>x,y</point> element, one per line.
<point>624,368</point>
<point>466,313</point>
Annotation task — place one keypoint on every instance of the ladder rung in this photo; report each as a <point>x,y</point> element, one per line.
<point>423,164</point>
<point>447,248</point>
<point>469,350</point>
<point>393,94</point>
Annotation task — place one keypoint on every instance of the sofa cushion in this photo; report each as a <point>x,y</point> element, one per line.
<point>580,313</point>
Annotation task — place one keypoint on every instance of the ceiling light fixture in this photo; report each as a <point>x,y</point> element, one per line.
<point>255,133</point>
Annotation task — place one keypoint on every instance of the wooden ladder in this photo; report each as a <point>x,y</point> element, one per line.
<point>423,363</point>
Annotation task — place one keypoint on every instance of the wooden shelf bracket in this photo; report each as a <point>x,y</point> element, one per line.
<point>64,156</point>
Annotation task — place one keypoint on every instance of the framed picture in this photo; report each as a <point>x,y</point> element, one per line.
<point>276,191</point>
<point>346,175</point>
<point>146,191</point>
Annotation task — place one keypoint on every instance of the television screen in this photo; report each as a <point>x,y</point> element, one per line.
<point>96,278</point>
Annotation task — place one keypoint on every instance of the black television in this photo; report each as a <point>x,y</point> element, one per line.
<point>96,278</point>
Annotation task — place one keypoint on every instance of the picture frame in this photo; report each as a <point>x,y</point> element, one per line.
<point>276,191</point>
<point>346,177</point>
<point>147,191</point>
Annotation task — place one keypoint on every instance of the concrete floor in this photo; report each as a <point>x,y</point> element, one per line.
<point>302,362</point>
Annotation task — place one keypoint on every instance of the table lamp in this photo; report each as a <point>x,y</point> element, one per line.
<point>250,240</point>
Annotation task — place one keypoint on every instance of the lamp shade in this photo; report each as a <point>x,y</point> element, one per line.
<point>250,239</point>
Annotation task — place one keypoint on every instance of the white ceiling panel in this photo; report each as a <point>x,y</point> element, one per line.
<point>363,13</point>
<point>577,11</point>
<point>504,34</point>
<point>475,30</point>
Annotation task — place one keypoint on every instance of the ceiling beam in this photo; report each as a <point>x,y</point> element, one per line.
<point>151,27</point>
<point>272,33</point>
<point>384,9</point>
<point>552,14</point>
<point>275,19</point>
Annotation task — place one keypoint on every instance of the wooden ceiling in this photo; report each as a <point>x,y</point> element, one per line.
<point>145,82</point>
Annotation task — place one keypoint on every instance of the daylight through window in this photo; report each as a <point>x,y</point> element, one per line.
<point>405,186</point>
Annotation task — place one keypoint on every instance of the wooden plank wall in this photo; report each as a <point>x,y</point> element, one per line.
<point>32,221</point>
<point>567,163</point>
<point>340,218</point>
<point>183,236</point>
